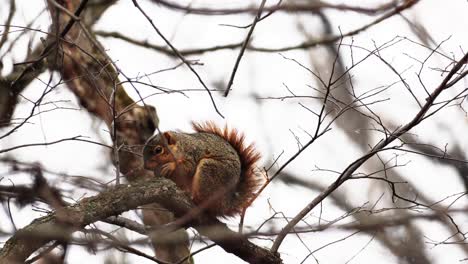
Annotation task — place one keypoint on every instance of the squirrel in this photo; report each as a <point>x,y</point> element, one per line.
<point>213,166</point>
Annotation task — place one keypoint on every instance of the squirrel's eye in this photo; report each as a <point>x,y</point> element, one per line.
<point>158,150</point>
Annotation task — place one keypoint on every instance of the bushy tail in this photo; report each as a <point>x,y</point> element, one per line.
<point>250,179</point>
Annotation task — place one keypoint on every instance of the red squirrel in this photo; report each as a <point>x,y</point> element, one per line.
<point>212,165</point>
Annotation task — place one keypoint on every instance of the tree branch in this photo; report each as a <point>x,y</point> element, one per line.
<point>347,173</point>
<point>61,224</point>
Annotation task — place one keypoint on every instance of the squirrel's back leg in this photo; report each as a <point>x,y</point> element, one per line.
<point>213,185</point>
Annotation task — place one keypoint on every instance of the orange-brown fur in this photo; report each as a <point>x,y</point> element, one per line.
<point>213,165</point>
<point>250,180</point>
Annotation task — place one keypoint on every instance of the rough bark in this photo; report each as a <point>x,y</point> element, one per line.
<point>61,224</point>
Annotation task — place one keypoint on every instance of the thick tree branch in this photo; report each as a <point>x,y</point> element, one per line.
<point>14,83</point>
<point>93,77</point>
<point>62,223</point>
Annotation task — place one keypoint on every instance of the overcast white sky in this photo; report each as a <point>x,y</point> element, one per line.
<point>270,124</point>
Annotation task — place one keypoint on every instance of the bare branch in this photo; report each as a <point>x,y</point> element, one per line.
<point>115,201</point>
<point>347,173</point>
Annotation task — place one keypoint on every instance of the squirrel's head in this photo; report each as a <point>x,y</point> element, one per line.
<point>158,150</point>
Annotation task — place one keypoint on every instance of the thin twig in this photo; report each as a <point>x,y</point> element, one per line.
<point>244,46</point>
<point>179,55</point>
<point>347,173</point>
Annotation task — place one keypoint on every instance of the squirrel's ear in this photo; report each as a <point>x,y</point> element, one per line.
<point>169,138</point>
